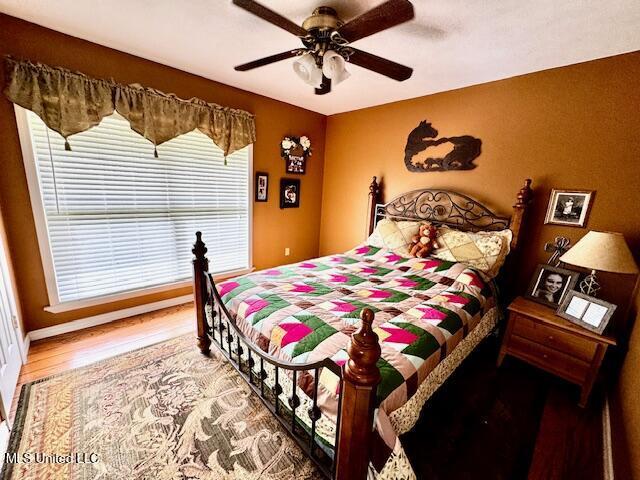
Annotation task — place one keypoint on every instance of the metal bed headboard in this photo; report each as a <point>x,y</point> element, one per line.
<point>443,207</point>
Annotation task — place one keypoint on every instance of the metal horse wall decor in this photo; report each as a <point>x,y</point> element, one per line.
<point>465,150</point>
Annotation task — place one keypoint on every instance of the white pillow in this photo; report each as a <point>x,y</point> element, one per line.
<point>395,236</point>
<point>484,251</point>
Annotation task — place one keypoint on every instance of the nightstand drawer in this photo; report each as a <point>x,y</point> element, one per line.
<point>571,368</point>
<point>555,338</point>
<point>538,336</point>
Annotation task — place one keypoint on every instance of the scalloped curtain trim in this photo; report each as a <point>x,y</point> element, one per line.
<point>71,102</point>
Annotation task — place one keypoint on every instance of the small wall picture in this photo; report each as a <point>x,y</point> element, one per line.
<point>289,193</point>
<point>295,164</point>
<point>588,312</point>
<point>569,207</point>
<point>295,151</point>
<point>262,186</point>
<point>550,284</point>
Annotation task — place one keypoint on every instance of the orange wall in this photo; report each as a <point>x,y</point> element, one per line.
<point>625,409</point>
<point>572,127</point>
<point>274,229</point>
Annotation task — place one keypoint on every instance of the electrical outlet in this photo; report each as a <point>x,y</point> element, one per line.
<point>287,251</point>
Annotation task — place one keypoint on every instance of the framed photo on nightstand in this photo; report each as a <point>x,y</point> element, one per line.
<point>550,284</point>
<point>588,312</point>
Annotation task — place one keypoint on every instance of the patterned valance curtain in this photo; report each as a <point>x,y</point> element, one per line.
<point>70,102</point>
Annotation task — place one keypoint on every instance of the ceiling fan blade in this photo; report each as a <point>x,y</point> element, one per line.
<point>386,15</point>
<point>380,65</point>
<point>325,86</point>
<point>270,16</point>
<point>267,60</point>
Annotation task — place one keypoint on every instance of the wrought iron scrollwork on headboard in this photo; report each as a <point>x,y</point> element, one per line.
<point>442,207</point>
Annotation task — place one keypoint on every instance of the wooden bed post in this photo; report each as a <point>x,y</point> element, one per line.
<point>374,195</point>
<point>360,379</point>
<point>200,267</point>
<point>525,195</point>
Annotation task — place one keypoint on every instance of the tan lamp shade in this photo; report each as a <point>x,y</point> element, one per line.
<point>602,251</point>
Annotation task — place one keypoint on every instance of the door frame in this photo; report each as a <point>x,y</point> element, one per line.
<point>5,433</point>
<point>16,321</point>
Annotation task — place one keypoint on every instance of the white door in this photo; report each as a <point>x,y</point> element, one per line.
<point>11,354</point>
<point>4,436</point>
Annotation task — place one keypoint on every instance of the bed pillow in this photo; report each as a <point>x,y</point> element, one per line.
<point>484,251</point>
<point>395,236</point>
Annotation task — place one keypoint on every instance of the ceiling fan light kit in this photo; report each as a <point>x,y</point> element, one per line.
<point>306,68</point>
<point>333,67</point>
<point>327,42</point>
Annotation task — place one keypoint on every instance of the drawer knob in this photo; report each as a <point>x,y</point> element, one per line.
<point>545,356</point>
<point>551,337</point>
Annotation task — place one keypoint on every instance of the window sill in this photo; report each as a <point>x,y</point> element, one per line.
<point>116,297</point>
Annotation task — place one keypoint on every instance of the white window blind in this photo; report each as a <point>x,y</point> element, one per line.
<point>119,219</point>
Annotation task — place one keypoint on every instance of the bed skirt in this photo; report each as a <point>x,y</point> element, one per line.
<point>404,418</point>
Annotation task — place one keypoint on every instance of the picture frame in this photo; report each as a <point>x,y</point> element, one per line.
<point>295,164</point>
<point>588,312</point>
<point>569,207</point>
<point>295,151</point>
<point>550,285</point>
<point>289,193</point>
<point>262,187</point>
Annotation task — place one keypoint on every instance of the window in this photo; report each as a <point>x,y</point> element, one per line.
<point>117,219</point>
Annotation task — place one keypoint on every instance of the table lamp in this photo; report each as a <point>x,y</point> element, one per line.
<point>604,251</point>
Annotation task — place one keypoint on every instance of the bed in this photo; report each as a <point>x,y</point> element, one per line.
<point>345,350</point>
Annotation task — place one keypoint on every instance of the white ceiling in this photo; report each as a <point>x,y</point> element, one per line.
<point>450,44</point>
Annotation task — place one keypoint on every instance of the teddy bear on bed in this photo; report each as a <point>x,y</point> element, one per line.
<point>424,241</point>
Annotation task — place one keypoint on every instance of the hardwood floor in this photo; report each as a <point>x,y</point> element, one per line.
<point>569,443</point>
<point>481,424</point>
<point>54,355</point>
<point>511,423</point>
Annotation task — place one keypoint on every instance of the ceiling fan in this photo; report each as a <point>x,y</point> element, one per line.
<point>327,42</point>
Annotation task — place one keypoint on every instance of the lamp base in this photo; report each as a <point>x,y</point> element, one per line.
<point>589,285</point>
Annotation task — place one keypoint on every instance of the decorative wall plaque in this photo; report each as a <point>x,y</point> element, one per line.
<point>465,149</point>
<point>295,151</point>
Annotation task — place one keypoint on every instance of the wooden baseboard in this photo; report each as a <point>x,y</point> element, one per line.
<point>607,452</point>
<point>104,318</point>
<point>26,342</point>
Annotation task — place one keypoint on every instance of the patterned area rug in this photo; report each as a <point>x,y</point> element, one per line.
<point>164,412</point>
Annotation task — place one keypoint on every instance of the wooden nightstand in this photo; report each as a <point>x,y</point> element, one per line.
<point>538,336</point>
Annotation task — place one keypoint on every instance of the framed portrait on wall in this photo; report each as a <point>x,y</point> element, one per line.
<point>550,284</point>
<point>262,186</point>
<point>569,207</point>
<point>289,193</point>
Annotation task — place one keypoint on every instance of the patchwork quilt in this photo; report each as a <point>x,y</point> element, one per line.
<point>307,311</point>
